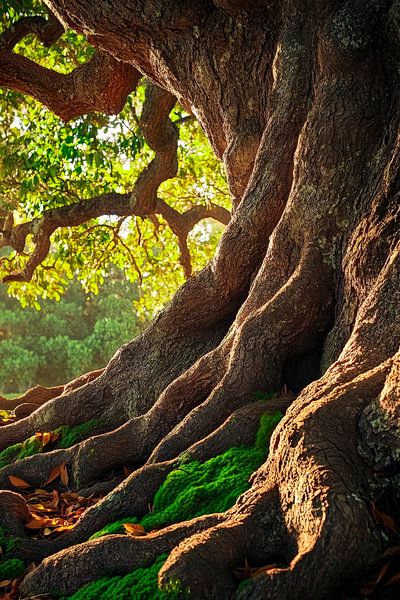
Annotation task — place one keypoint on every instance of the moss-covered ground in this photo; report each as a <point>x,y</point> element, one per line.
<point>192,489</point>
<point>141,584</point>
<point>196,488</point>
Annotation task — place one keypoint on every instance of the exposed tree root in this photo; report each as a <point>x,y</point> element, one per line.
<point>39,394</point>
<point>323,495</point>
<point>324,489</point>
<point>136,493</point>
<point>14,513</point>
<point>70,569</point>
<point>309,500</point>
<point>326,281</point>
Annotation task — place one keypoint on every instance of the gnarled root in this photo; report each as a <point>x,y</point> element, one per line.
<point>308,504</point>
<point>40,394</point>
<point>14,513</point>
<point>134,495</point>
<point>70,569</point>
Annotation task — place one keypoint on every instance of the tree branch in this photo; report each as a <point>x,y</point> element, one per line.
<point>102,84</point>
<point>48,31</point>
<point>148,16</point>
<point>162,136</point>
<point>182,223</point>
<point>108,204</point>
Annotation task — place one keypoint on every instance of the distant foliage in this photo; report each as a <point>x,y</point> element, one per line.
<point>70,337</point>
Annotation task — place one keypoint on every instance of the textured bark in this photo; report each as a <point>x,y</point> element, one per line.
<point>302,103</point>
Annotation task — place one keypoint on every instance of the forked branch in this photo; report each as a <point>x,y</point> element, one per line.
<point>101,84</point>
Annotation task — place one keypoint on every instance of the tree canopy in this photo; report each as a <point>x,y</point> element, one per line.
<point>66,181</point>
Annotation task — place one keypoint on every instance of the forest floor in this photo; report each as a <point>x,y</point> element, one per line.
<point>56,509</point>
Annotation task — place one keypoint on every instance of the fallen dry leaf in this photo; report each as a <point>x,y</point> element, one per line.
<point>64,474</point>
<point>382,573</point>
<point>36,523</point>
<point>54,473</point>
<point>383,519</point>
<point>134,529</point>
<point>19,483</point>
<point>394,579</point>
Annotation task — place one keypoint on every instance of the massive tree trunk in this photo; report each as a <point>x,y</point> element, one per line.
<point>301,101</point>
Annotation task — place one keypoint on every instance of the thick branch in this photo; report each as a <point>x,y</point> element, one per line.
<point>162,136</point>
<point>182,224</point>
<point>148,16</point>
<point>47,31</point>
<point>122,205</point>
<point>102,84</point>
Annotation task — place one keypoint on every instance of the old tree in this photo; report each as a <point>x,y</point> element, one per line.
<point>301,102</point>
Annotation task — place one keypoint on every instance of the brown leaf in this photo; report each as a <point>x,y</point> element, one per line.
<point>134,529</point>
<point>64,474</point>
<point>55,501</point>
<point>64,528</point>
<point>36,523</point>
<point>5,583</point>
<point>40,492</point>
<point>39,507</point>
<point>382,573</point>
<point>17,482</point>
<point>56,472</point>
<point>383,519</point>
<point>394,579</point>
<point>392,551</point>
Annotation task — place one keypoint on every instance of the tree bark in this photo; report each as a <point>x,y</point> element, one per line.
<point>301,101</point>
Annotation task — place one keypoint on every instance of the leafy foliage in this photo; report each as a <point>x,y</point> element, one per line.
<point>45,163</point>
<point>75,335</point>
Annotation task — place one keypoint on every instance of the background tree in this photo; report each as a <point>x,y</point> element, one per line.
<point>78,333</point>
<point>300,100</point>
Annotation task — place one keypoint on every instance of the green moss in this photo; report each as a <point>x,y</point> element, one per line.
<point>244,584</point>
<point>11,569</point>
<point>197,488</point>
<point>16,452</point>
<point>8,544</point>
<point>191,490</point>
<point>141,584</point>
<point>72,435</point>
<point>8,455</point>
<point>268,423</point>
<point>68,437</point>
